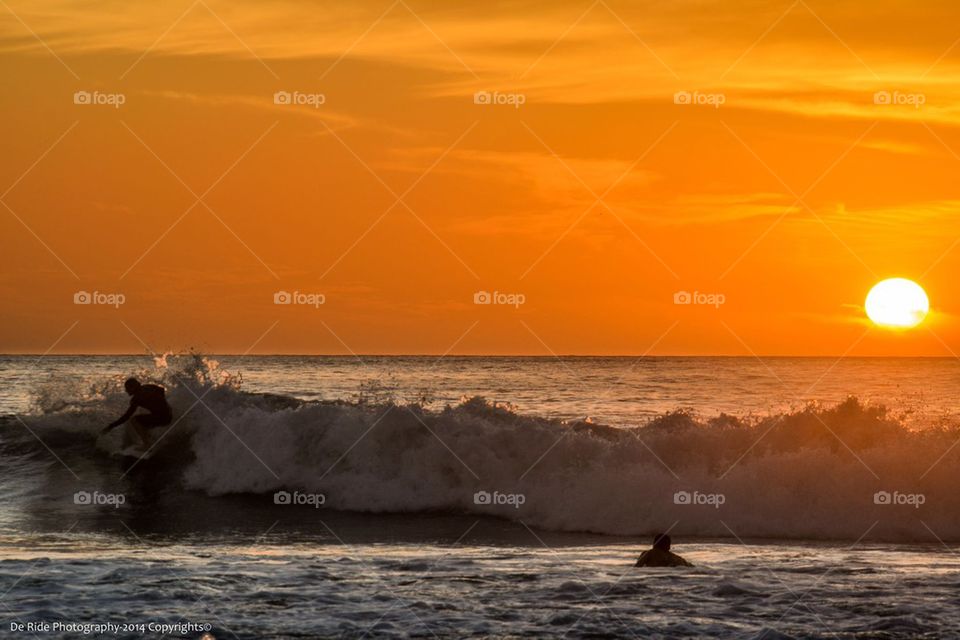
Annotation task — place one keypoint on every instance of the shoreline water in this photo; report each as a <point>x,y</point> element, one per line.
<point>354,590</point>
<point>402,545</point>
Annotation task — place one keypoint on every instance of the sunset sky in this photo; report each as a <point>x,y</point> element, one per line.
<point>596,199</point>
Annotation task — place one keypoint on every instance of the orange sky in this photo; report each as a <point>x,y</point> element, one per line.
<point>596,199</point>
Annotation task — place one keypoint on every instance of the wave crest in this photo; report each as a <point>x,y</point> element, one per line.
<point>810,473</point>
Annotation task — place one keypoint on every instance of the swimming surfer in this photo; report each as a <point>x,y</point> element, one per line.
<point>659,555</point>
<point>151,397</point>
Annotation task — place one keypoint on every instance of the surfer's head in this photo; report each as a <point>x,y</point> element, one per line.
<point>661,541</point>
<point>131,385</point>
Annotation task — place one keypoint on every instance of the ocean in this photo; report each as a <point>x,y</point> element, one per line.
<point>487,497</point>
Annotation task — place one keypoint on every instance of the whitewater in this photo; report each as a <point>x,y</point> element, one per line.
<point>487,497</point>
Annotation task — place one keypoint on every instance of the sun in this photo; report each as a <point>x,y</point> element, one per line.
<point>897,303</point>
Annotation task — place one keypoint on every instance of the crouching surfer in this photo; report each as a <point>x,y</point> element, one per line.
<point>151,397</point>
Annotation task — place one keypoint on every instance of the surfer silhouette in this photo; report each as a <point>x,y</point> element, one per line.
<point>151,397</point>
<point>659,555</point>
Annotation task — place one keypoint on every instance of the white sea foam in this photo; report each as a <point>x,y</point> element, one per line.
<point>835,472</point>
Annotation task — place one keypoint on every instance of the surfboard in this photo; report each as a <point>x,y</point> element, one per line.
<point>136,452</point>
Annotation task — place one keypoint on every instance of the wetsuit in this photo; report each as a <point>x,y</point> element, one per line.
<point>659,558</point>
<point>152,398</point>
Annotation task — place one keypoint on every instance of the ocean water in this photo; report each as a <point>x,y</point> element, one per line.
<point>315,497</point>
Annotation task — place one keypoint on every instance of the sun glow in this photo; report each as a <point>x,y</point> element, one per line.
<point>897,303</point>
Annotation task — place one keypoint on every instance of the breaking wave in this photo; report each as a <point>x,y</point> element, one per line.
<point>813,473</point>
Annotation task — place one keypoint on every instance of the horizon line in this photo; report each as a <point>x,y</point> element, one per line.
<point>465,355</point>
